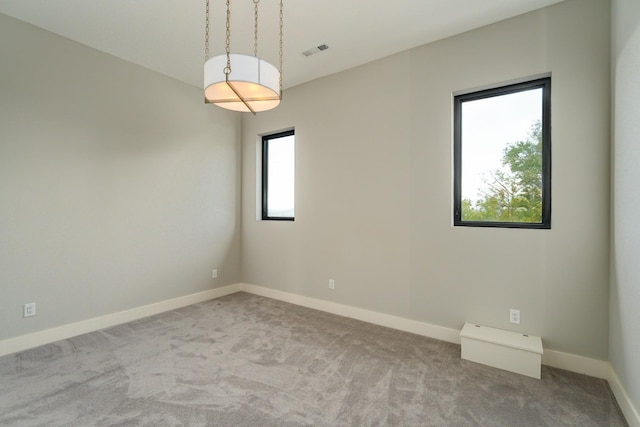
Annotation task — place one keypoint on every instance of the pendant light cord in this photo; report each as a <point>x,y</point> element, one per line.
<point>227,70</point>
<point>255,27</point>
<point>280,53</point>
<point>206,34</point>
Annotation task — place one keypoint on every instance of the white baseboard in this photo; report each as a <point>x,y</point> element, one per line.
<point>574,363</point>
<point>394,322</point>
<point>624,401</point>
<point>24,342</point>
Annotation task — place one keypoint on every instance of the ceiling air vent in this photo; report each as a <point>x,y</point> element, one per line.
<point>315,50</point>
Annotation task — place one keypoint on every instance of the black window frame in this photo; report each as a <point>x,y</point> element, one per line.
<point>545,85</point>
<point>265,175</point>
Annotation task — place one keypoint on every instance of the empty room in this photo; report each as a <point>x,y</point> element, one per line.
<point>319,213</point>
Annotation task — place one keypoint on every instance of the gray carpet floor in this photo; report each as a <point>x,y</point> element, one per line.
<point>245,360</point>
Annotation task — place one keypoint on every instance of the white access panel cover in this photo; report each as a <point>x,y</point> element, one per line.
<point>511,351</point>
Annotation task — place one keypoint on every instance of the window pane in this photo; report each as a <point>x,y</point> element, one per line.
<point>281,177</point>
<point>500,156</point>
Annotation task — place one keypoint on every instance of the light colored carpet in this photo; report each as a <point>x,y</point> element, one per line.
<point>245,360</point>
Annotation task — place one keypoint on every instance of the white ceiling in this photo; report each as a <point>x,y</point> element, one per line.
<point>167,36</point>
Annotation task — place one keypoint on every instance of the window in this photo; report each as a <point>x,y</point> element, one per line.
<point>278,176</point>
<point>502,156</point>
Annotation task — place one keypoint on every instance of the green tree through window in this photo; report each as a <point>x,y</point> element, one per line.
<point>514,195</point>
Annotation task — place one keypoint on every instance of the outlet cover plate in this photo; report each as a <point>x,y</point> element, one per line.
<point>30,309</point>
<point>514,316</point>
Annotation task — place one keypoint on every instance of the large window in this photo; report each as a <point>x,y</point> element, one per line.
<point>502,156</point>
<point>278,176</point>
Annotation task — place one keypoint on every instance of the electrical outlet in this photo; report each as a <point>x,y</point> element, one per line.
<point>332,284</point>
<point>214,274</point>
<point>30,309</point>
<point>514,316</point>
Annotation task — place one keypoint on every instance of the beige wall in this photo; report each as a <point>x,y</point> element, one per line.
<point>624,344</point>
<point>374,186</point>
<point>118,187</point>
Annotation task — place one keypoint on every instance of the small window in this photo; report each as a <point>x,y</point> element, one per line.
<point>502,156</point>
<point>278,176</point>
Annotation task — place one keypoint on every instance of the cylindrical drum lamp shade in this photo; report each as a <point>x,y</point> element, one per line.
<point>255,81</point>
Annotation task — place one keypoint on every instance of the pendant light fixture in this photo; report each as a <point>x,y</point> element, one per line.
<point>242,82</point>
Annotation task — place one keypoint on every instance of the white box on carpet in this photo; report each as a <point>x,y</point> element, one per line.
<point>511,351</point>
